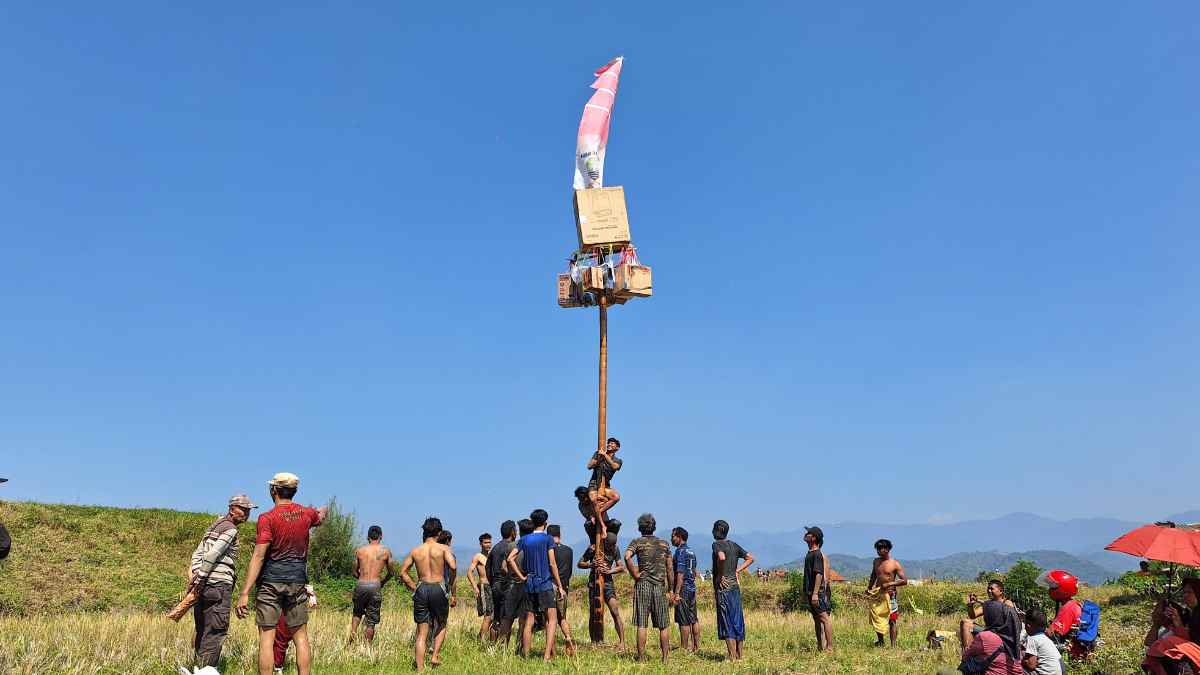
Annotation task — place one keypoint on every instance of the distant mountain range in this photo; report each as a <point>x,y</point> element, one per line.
<point>959,550</point>
<point>969,565</point>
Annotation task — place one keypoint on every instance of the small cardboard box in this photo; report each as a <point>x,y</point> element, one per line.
<point>591,278</point>
<point>633,281</point>
<point>567,297</point>
<point>601,217</point>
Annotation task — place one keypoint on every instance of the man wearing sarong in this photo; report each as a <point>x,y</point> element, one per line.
<point>431,603</point>
<point>477,575</point>
<point>731,623</point>
<point>887,574</point>
<point>369,561</point>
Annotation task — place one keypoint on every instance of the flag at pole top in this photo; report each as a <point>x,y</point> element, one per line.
<point>593,127</point>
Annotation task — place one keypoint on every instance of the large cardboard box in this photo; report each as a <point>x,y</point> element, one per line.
<point>567,297</point>
<point>601,217</point>
<point>591,278</point>
<point>632,281</point>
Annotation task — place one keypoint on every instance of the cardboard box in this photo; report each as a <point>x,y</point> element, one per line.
<point>591,278</point>
<point>633,281</point>
<point>567,297</point>
<point>601,217</point>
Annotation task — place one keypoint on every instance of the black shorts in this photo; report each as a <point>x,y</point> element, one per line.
<point>514,602</point>
<point>685,609</point>
<point>610,593</point>
<point>430,604</point>
<point>539,602</point>
<point>823,605</point>
<point>368,598</point>
<point>499,593</point>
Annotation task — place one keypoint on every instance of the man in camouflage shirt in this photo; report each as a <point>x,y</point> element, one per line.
<point>212,574</point>
<point>652,576</point>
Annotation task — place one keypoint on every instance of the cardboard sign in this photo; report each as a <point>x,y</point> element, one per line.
<point>601,217</point>
<point>567,297</point>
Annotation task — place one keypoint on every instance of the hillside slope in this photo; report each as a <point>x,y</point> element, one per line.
<point>95,558</point>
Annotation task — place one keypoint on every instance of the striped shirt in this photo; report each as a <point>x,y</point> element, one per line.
<point>215,559</point>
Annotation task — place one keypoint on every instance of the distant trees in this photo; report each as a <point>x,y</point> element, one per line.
<point>331,549</point>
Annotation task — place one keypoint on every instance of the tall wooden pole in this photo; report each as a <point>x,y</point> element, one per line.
<point>596,624</point>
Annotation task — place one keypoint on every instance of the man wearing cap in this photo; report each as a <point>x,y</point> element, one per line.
<point>280,569</point>
<point>211,576</point>
<point>5,540</point>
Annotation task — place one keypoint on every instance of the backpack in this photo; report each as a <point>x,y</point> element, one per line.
<point>1089,622</point>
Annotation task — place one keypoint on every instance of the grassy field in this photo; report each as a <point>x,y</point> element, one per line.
<point>84,592</point>
<point>136,642</point>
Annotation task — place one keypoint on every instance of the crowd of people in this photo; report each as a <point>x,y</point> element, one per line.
<point>523,580</point>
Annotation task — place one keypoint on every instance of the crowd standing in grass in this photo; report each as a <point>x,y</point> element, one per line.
<point>525,580</point>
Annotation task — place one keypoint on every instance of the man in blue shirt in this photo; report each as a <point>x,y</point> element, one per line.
<point>684,595</point>
<point>539,573</point>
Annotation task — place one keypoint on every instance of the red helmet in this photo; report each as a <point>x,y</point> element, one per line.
<point>1062,584</point>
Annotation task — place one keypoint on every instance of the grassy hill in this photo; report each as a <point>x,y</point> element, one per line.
<point>96,558</point>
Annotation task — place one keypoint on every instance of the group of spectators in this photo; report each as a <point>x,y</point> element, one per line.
<point>1172,642</point>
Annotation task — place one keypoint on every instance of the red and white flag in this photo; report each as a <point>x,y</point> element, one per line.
<point>593,128</point>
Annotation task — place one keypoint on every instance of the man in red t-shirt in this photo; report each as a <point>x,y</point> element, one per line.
<point>1066,619</point>
<point>280,568</point>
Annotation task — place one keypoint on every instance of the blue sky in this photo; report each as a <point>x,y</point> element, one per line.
<point>911,264</point>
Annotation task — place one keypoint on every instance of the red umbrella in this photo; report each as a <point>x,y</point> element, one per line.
<point>1164,542</point>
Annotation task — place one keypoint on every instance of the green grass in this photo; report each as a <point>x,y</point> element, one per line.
<point>85,588</point>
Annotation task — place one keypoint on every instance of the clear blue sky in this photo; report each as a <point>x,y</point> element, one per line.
<point>911,264</point>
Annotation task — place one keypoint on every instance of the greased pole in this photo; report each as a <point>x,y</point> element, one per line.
<point>596,625</point>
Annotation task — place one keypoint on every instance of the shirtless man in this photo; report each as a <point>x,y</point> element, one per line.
<point>477,575</point>
<point>887,574</point>
<point>369,561</point>
<point>604,464</point>
<point>431,605</point>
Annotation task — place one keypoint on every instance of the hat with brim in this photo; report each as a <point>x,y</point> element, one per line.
<point>243,501</point>
<point>285,479</point>
<point>3,480</point>
<point>815,531</point>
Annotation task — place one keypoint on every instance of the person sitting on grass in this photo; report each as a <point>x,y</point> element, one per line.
<point>1174,631</point>
<point>995,650</point>
<point>995,592</point>
<point>1041,654</point>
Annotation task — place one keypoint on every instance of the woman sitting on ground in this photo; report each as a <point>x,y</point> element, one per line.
<point>995,650</point>
<point>1174,631</point>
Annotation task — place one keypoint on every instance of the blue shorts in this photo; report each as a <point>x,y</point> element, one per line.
<point>731,625</point>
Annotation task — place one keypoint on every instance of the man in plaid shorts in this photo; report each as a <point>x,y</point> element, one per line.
<point>652,576</point>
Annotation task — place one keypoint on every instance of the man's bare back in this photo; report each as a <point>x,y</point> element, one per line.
<point>431,558</point>
<point>371,561</point>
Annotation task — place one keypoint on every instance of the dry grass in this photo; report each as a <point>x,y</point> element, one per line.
<point>141,643</point>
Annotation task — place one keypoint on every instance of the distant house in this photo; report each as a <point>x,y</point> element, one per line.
<point>835,578</point>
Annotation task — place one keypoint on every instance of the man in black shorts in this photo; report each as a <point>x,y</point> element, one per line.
<point>431,604</point>
<point>604,465</point>
<point>501,580</point>
<point>564,557</point>
<point>611,566</point>
<point>816,587</point>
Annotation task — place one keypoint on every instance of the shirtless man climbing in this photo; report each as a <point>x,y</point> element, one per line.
<point>431,604</point>
<point>887,574</point>
<point>477,575</point>
<point>604,464</point>
<point>369,561</point>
